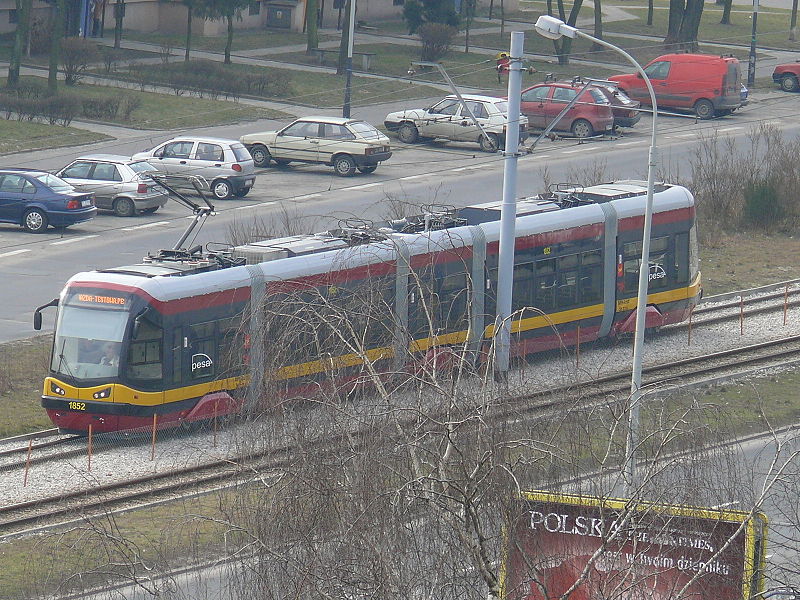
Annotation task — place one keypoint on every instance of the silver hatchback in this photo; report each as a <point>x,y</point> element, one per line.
<point>225,164</point>
<point>118,183</point>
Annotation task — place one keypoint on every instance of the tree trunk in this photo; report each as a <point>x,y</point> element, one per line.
<point>119,15</point>
<point>502,17</point>
<point>229,42</point>
<point>189,12</point>
<point>342,62</point>
<point>793,22</point>
<point>676,8</point>
<point>726,13</point>
<point>691,25</point>
<point>20,35</point>
<point>491,8</point>
<point>598,24</point>
<point>55,46</point>
<point>312,25</point>
<point>650,11</point>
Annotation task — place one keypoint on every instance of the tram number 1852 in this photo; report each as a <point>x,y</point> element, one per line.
<point>77,405</point>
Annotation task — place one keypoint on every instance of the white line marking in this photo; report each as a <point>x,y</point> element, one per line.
<point>414,177</point>
<point>466,168</point>
<point>266,203</point>
<point>683,135</point>
<point>73,240</point>
<point>13,253</point>
<point>540,155</point>
<point>729,129</point>
<point>365,186</point>
<point>148,225</point>
<point>303,197</point>
<point>629,143</point>
<point>577,150</point>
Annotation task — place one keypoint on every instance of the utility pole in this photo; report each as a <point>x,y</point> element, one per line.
<point>751,63</point>
<point>508,210</point>
<point>349,69</point>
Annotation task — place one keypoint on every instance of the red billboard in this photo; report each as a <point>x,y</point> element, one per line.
<point>570,547</point>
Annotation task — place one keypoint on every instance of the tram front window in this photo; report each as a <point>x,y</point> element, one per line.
<point>88,342</point>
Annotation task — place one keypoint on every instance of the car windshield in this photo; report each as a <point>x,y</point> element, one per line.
<point>240,152</point>
<point>88,340</point>
<point>365,130</point>
<point>140,166</point>
<point>54,183</point>
<point>501,106</point>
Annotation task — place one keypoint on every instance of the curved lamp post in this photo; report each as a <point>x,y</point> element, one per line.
<point>553,28</point>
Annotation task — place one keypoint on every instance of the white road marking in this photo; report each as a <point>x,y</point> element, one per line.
<point>148,225</point>
<point>729,129</point>
<point>682,135</point>
<point>540,155</point>
<point>13,252</point>
<point>587,149</point>
<point>73,240</point>
<point>365,186</point>
<point>269,203</point>
<point>469,168</point>
<point>629,143</point>
<point>303,197</point>
<point>414,177</point>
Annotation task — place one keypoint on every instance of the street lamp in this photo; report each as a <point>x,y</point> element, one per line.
<point>553,28</point>
<point>351,28</point>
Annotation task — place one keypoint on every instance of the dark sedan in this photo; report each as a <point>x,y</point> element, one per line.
<point>36,200</point>
<point>626,111</point>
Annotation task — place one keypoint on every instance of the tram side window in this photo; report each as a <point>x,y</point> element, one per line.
<point>231,345</point>
<point>177,354</point>
<point>523,286</point>
<point>145,357</point>
<point>682,257</point>
<point>659,275</point>
<point>568,280</point>
<point>546,284</point>
<point>452,298</point>
<point>591,283</point>
<point>202,345</point>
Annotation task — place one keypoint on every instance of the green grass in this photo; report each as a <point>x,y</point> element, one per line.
<point>24,367</point>
<point>326,90</point>
<point>242,40</point>
<point>21,136</point>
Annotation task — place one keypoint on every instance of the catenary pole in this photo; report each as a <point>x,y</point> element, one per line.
<point>508,211</point>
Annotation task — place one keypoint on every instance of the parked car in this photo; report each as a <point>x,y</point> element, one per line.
<point>625,110</point>
<point>36,199</point>
<point>787,76</point>
<point>590,115</point>
<point>225,164</point>
<point>448,119</point>
<point>117,182</point>
<point>346,144</point>
<point>706,84</point>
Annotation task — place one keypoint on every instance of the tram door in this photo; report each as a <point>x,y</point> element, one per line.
<point>195,354</point>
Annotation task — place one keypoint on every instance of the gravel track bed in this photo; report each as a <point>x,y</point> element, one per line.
<point>120,457</point>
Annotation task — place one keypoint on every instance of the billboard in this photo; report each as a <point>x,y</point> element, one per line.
<point>588,548</point>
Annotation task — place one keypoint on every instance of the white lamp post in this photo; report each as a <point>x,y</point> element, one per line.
<point>553,28</point>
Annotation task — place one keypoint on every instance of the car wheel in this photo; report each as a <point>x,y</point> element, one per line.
<point>242,192</point>
<point>582,128</point>
<point>221,188</point>
<point>35,220</point>
<point>344,165</point>
<point>789,83</point>
<point>281,162</point>
<point>704,109</point>
<point>261,155</point>
<point>367,169</point>
<point>408,133</point>
<point>124,207</point>
<point>149,211</point>
<point>490,142</point>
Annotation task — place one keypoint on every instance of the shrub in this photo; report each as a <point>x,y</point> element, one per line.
<point>762,205</point>
<point>104,109</point>
<point>111,57</point>
<point>165,52</point>
<point>77,54</point>
<point>128,105</point>
<point>30,89</point>
<point>61,109</point>
<point>436,39</point>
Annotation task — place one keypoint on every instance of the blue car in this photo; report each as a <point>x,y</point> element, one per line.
<point>36,200</point>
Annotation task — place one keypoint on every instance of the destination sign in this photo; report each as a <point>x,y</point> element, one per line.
<point>97,299</point>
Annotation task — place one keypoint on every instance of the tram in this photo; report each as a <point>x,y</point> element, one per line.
<point>181,336</point>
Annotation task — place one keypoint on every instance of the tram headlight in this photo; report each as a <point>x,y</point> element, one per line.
<point>56,389</point>
<point>102,394</point>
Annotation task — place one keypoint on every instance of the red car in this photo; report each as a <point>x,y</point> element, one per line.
<point>589,116</point>
<point>787,76</point>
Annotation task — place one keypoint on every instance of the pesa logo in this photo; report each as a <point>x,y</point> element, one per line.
<point>656,272</point>
<point>201,361</point>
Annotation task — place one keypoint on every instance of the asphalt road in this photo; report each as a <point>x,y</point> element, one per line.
<point>306,198</point>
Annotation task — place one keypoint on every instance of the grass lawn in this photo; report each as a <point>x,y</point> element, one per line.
<point>248,39</point>
<point>167,111</point>
<point>326,90</point>
<point>23,366</point>
<point>19,136</point>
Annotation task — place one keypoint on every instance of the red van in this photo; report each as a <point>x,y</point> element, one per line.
<point>706,84</point>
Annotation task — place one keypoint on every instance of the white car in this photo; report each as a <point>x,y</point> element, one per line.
<point>345,144</point>
<point>448,119</point>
